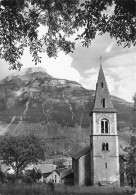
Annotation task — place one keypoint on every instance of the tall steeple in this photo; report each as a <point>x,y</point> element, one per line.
<point>104,137</point>
<point>102,102</point>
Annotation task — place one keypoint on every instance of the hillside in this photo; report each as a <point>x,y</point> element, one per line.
<point>34,102</point>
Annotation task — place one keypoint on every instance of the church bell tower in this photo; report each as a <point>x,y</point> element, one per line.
<point>104,137</point>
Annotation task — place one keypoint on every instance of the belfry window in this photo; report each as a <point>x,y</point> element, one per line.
<point>104,126</point>
<point>102,85</point>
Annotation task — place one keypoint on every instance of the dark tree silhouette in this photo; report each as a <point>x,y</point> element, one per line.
<point>130,167</point>
<point>134,112</point>
<point>120,23</point>
<point>20,151</point>
<point>19,22</point>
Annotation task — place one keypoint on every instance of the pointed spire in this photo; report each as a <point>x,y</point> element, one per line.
<point>102,102</point>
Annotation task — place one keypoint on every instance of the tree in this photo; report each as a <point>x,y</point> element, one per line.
<point>19,22</point>
<point>134,111</point>
<point>2,176</point>
<point>130,167</point>
<point>120,23</point>
<point>20,151</point>
<point>31,176</point>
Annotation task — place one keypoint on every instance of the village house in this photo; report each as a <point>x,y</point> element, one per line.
<point>100,163</point>
<point>45,169</point>
<point>54,174</point>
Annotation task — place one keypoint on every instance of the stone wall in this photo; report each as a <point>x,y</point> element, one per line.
<point>84,169</point>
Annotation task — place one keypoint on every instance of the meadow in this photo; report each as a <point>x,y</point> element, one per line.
<point>42,189</point>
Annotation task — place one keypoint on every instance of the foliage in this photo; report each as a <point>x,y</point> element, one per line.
<point>40,189</point>
<point>59,162</point>
<point>31,176</point>
<point>130,167</point>
<point>20,21</point>
<point>134,111</point>
<point>2,176</point>
<point>50,186</point>
<point>120,22</point>
<point>20,151</point>
<point>11,178</point>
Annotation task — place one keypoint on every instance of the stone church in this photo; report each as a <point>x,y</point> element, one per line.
<point>100,162</point>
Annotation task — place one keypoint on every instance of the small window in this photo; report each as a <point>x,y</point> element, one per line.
<point>102,85</point>
<point>105,146</point>
<point>55,178</point>
<point>106,165</point>
<point>103,102</point>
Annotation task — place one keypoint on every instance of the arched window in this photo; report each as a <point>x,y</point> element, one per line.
<point>104,126</point>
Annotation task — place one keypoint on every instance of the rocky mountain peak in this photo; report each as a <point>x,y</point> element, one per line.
<point>32,100</point>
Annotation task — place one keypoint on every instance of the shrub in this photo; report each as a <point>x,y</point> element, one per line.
<point>2,176</point>
<point>50,186</point>
<point>11,178</point>
<point>31,176</point>
<point>27,179</point>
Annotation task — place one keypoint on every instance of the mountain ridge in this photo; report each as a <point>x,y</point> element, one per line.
<point>35,102</point>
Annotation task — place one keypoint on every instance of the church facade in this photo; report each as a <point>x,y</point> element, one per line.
<point>99,163</point>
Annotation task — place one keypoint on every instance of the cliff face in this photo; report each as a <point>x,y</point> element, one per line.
<point>33,101</point>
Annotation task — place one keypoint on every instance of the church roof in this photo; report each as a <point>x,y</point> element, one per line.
<point>81,152</point>
<point>102,102</point>
<point>66,172</point>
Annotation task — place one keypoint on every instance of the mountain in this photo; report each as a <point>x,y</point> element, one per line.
<point>31,101</point>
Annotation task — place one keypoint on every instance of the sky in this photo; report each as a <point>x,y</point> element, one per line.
<point>82,66</point>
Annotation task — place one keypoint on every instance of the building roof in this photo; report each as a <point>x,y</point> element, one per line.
<point>66,172</point>
<point>58,171</point>
<point>81,152</point>
<point>45,175</point>
<point>101,93</point>
<point>45,168</point>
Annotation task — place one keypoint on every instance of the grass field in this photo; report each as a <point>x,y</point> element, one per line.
<point>42,189</point>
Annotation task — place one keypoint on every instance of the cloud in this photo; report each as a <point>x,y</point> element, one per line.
<point>109,48</point>
<point>119,65</point>
<point>122,69</point>
<point>59,67</point>
<point>120,73</point>
<point>91,79</point>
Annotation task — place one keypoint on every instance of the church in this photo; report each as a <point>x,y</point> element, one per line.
<point>100,163</point>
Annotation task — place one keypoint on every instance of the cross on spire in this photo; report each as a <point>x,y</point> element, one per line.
<point>100,60</point>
